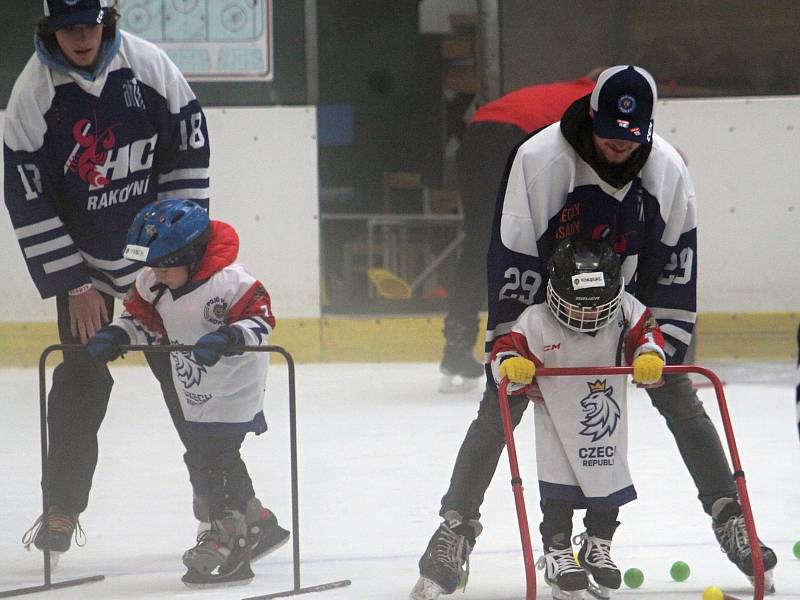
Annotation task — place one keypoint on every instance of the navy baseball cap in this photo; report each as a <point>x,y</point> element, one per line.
<point>624,102</point>
<point>62,13</point>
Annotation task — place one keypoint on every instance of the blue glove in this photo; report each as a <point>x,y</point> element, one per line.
<point>213,346</point>
<point>105,345</point>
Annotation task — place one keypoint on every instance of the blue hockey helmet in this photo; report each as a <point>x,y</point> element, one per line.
<point>170,232</point>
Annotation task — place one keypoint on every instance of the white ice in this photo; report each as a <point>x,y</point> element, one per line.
<point>376,446</point>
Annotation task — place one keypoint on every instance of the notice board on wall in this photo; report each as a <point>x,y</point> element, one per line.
<point>209,40</point>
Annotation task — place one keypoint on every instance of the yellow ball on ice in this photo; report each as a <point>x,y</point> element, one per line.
<point>713,593</point>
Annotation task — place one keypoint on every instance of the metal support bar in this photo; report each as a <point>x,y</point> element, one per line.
<point>738,472</point>
<point>49,585</point>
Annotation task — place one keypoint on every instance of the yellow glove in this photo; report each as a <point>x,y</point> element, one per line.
<point>517,369</point>
<point>647,368</point>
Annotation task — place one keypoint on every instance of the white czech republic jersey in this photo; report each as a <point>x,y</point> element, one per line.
<point>581,426</point>
<point>228,397</point>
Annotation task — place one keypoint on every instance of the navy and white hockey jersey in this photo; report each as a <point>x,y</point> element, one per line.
<point>582,425</point>
<point>83,155</point>
<point>228,397</point>
<point>550,193</point>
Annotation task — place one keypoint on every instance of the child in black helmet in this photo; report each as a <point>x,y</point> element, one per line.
<point>581,423</point>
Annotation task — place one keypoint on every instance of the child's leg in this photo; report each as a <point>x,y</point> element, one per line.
<point>220,550</point>
<point>561,571</point>
<point>556,527</point>
<point>601,524</point>
<point>595,552</point>
<point>264,535</point>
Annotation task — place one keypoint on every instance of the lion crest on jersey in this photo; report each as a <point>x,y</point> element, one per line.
<point>601,411</point>
<point>189,372</point>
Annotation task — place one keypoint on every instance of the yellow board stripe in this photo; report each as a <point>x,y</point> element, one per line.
<point>393,338</point>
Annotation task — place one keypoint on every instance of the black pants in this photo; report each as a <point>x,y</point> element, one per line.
<point>480,163</point>
<point>76,407</point>
<point>557,519</point>
<point>218,473</point>
<point>695,434</point>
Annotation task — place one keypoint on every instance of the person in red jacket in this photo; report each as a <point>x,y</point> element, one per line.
<point>494,131</point>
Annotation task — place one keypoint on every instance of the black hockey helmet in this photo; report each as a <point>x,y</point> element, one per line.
<point>585,284</point>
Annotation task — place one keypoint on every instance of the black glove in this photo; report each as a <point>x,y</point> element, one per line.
<point>212,346</point>
<point>105,345</point>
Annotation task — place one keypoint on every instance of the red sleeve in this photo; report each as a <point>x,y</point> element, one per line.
<point>254,303</point>
<point>644,333</point>
<point>144,312</point>
<point>513,343</point>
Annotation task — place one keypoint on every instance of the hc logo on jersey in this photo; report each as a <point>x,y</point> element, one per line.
<point>601,411</point>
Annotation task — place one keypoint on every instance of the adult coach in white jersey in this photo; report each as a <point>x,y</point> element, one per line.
<point>99,124</point>
<point>601,173</point>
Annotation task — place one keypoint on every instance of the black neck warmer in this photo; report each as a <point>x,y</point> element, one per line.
<point>576,127</point>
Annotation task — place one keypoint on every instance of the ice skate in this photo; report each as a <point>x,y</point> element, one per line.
<point>567,580</point>
<point>460,371</point>
<point>55,532</point>
<point>221,555</point>
<point>594,557</point>
<point>425,589</point>
<point>731,532</point>
<point>264,535</point>
<point>445,563</point>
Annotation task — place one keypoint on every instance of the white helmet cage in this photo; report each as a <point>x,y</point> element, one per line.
<point>584,290</point>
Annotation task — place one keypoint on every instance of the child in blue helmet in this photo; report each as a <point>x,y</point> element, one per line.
<point>193,292</point>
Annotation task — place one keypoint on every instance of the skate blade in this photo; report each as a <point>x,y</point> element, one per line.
<point>425,589</point>
<point>769,582</point>
<point>256,557</point>
<point>559,594</point>
<point>240,576</point>
<point>455,384</point>
<point>598,591</point>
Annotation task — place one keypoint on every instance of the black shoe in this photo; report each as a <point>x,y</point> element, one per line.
<point>458,358</point>
<point>54,532</point>
<point>561,571</point>
<point>446,559</point>
<point>731,532</point>
<point>595,557</point>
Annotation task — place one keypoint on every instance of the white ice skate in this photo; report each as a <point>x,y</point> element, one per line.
<point>456,384</point>
<point>425,589</point>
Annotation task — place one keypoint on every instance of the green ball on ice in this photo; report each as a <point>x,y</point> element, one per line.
<point>679,571</point>
<point>796,549</point>
<point>633,578</point>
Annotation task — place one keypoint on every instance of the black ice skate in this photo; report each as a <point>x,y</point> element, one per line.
<point>566,578</point>
<point>264,535</point>
<point>460,371</point>
<point>444,567</point>
<point>595,558</point>
<point>221,555</point>
<point>55,532</point>
<point>731,532</point>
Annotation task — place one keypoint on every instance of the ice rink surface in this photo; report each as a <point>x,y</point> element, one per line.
<point>376,446</point>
